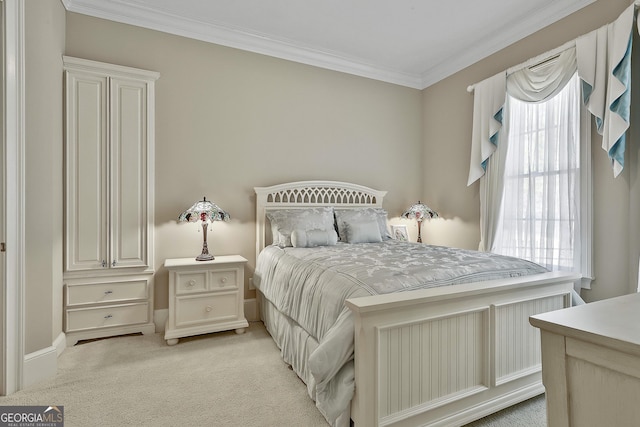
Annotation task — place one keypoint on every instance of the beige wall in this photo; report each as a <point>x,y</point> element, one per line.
<point>44,46</point>
<point>447,117</point>
<point>228,120</point>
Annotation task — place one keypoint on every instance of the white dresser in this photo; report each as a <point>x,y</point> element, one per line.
<point>205,296</point>
<point>591,363</point>
<point>109,219</point>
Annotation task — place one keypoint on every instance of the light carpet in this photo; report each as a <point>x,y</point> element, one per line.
<point>220,379</point>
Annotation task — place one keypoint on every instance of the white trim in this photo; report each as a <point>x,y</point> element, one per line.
<point>251,310</point>
<point>13,309</point>
<point>40,365</point>
<point>586,200</point>
<point>60,343</point>
<point>160,319</point>
<point>139,15</point>
<point>501,39</point>
<point>3,204</point>
<point>135,14</point>
<point>95,67</point>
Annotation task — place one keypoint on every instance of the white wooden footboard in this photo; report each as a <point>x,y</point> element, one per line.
<point>448,356</point>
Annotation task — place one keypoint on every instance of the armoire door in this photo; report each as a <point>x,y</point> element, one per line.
<point>129,172</point>
<point>86,183</point>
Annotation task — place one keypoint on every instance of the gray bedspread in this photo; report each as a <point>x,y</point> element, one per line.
<point>310,286</point>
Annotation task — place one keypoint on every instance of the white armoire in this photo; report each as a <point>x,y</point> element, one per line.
<point>109,219</point>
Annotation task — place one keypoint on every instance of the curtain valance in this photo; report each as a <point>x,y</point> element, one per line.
<point>604,66</point>
<point>603,60</point>
<point>488,103</point>
<point>538,84</point>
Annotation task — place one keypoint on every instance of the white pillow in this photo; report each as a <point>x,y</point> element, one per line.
<point>344,216</point>
<point>363,232</point>
<point>313,238</point>
<point>284,221</point>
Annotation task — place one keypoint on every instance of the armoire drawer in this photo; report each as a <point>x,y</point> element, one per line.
<point>106,292</point>
<point>106,316</point>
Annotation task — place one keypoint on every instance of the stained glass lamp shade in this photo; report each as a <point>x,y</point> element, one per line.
<point>420,211</point>
<point>205,211</point>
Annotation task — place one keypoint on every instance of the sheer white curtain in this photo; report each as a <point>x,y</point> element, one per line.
<point>491,192</point>
<point>488,152</point>
<point>603,59</point>
<point>540,213</point>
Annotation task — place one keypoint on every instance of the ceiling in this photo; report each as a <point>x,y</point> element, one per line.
<point>413,43</point>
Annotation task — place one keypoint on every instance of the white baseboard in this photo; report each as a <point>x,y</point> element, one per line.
<point>43,364</point>
<point>60,343</point>
<point>160,319</point>
<point>250,312</point>
<point>40,365</point>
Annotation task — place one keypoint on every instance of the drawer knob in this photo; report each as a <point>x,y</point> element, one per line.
<point>108,292</point>
<point>223,280</point>
<point>191,283</point>
<point>208,309</point>
<point>108,316</point>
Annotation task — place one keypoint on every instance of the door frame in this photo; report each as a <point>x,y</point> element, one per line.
<point>13,198</point>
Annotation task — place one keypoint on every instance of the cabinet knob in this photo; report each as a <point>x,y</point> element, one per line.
<point>108,316</point>
<point>191,283</point>
<point>108,292</point>
<point>208,309</point>
<point>223,280</point>
<point>104,263</point>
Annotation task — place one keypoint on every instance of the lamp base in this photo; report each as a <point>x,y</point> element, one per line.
<point>205,257</point>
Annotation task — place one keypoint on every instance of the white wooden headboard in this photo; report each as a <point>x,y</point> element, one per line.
<point>303,194</point>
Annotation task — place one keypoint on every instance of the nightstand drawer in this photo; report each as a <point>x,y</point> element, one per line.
<point>192,310</point>
<point>191,282</point>
<point>223,280</point>
<point>106,292</point>
<point>104,317</point>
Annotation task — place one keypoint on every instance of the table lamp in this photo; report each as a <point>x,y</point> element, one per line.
<point>420,211</point>
<point>204,211</point>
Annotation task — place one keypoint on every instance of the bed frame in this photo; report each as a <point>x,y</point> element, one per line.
<point>440,357</point>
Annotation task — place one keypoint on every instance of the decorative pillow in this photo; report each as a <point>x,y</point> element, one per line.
<point>284,221</point>
<point>344,216</point>
<point>313,238</point>
<point>363,232</point>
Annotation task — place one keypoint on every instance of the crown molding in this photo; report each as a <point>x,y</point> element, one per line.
<point>502,38</point>
<point>127,13</point>
<point>135,14</point>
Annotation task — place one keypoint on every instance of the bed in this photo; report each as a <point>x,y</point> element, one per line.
<point>374,355</point>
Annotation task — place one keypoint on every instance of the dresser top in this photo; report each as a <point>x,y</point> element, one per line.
<point>613,322</point>
<point>190,262</point>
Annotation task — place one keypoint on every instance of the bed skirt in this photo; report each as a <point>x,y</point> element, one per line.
<point>295,346</point>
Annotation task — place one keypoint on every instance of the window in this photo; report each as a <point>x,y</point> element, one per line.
<point>540,216</point>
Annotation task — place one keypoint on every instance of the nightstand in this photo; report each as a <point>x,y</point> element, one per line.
<point>205,296</point>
